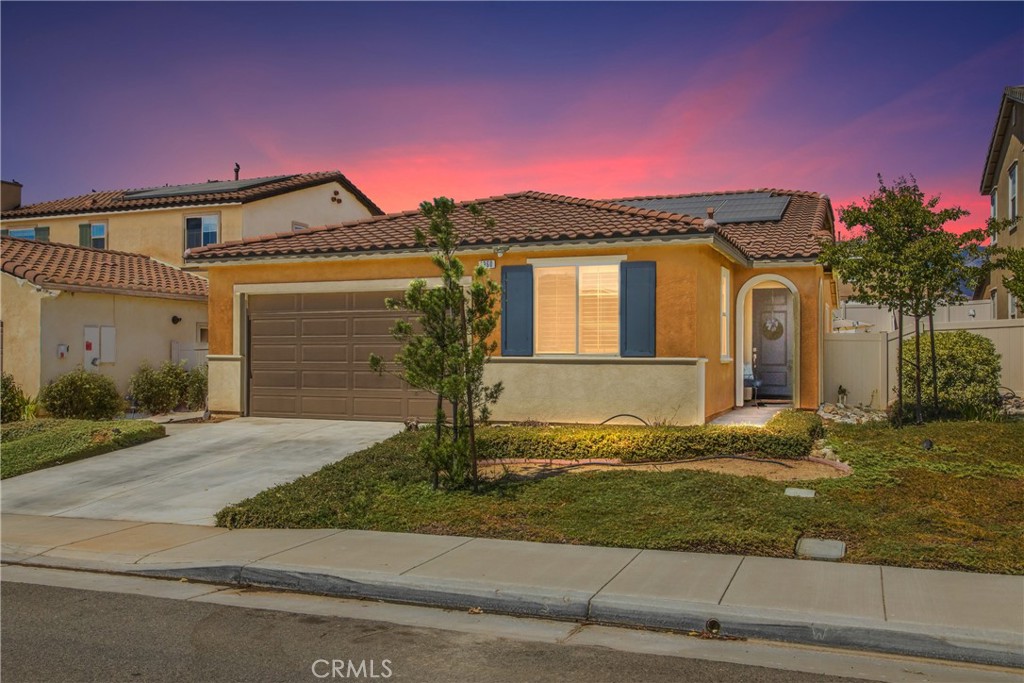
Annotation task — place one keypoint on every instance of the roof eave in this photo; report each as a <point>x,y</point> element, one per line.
<point>120,291</point>
<point>718,240</point>
<point>988,176</point>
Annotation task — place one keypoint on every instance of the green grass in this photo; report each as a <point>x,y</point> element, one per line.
<point>958,506</point>
<point>35,444</point>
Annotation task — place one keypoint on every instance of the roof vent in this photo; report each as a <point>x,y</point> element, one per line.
<point>237,169</point>
<point>710,222</point>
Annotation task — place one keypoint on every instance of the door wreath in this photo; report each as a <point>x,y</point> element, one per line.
<point>772,329</point>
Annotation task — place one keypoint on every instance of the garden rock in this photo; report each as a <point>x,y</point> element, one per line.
<point>851,414</point>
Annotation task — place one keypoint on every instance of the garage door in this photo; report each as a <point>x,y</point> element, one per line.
<point>309,357</point>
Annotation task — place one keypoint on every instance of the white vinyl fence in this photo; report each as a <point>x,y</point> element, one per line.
<point>865,362</point>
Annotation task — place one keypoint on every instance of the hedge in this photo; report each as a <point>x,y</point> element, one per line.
<point>789,434</point>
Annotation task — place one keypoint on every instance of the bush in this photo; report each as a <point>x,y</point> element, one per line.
<point>968,374</point>
<point>13,400</point>
<point>82,395</point>
<point>790,434</point>
<point>159,390</point>
<point>196,387</point>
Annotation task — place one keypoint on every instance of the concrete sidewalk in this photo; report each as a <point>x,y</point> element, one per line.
<point>949,615</point>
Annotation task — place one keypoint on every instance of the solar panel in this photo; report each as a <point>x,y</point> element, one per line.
<point>202,188</point>
<point>746,207</point>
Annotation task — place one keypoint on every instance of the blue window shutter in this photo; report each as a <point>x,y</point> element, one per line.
<point>637,288</point>
<point>517,311</point>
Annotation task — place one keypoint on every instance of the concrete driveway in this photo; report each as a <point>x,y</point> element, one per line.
<point>190,475</point>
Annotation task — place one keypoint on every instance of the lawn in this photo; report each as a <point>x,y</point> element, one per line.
<point>959,505</point>
<point>35,444</point>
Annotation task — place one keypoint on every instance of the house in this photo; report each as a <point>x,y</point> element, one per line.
<point>10,194</point>
<point>638,305</point>
<point>108,311</point>
<point>1001,182</point>
<point>162,222</point>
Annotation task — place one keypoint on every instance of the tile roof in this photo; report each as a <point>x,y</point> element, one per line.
<point>535,217</point>
<point>65,266</point>
<point>253,189</point>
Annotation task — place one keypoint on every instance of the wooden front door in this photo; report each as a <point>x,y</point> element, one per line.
<point>772,336</point>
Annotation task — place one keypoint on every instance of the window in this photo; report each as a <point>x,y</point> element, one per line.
<point>40,234</point>
<point>201,230</point>
<point>1011,305</point>
<point>202,334</point>
<point>93,235</point>
<point>993,207</point>
<point>726,295</point>
<point>1011,177</point>
<point>299,226</point>
<point>577,309</point>
<point>993,297</point>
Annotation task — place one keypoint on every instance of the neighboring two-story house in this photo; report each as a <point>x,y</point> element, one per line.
<point>1002,183</point>
<point>161,222</point>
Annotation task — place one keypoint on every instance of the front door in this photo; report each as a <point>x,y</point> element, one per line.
<point>773,360</point>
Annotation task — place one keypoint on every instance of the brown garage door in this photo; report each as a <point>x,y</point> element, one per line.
<point>309,357</point>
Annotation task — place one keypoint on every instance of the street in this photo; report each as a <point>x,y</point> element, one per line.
<point>62,634</point>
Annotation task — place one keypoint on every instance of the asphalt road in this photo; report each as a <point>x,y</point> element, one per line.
<point>68,635</point>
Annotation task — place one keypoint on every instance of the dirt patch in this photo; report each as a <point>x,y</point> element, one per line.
<point>793,470</point>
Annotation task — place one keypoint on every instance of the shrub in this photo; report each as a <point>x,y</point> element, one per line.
<point>13,400</point>
<point>789,434</point>
<point>82,395</point>
<point>968,376</point>
<point>159,390</point>
<point>196,386</point>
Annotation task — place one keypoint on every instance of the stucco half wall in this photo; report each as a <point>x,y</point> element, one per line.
<point>665,390</point>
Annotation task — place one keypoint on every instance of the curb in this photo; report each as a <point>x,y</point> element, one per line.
<point>997,648</point>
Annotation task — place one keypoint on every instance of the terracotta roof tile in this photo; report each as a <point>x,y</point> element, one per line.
<point>122,200</point>
<point>64,266</point>
<point>535,217</point>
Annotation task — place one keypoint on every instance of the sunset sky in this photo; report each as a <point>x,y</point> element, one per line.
<point>598,100</point>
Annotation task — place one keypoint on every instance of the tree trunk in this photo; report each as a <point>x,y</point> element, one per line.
<point>935,363</point>
<point>438,419</point>
<point>918,417</point>
<point>470,418</point>
<point>899,368</point>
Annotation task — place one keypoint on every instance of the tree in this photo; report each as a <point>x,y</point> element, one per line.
<point>447,345</point>
<point>903,259</point>
<point>1010,259</point>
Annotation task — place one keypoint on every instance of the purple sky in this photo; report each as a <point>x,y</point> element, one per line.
<point>469,100</point>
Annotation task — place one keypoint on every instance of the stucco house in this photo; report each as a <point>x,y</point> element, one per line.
<point>106,311</point>
<point>1001,181</point>
<point>163,221</point>
<point>640,305</point>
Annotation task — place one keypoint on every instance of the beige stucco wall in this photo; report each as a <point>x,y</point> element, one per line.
<point>1011,153</point>
<point>225,384</point>
<point>312,206</point>
<point>668,390</point>
<point>143,325</point>
<point>19,310</point>
<point>158,233</point>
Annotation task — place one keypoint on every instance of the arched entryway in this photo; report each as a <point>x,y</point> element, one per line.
<point>768,337</point>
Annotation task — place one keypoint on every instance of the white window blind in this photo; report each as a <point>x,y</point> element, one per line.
<point>556,310</point>
<point>599,309</point>
<point>577,309</point>
<point>724,305</point>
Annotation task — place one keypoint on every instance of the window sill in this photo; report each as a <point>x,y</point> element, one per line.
<point>726,359</point>
<point>598,360</point>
